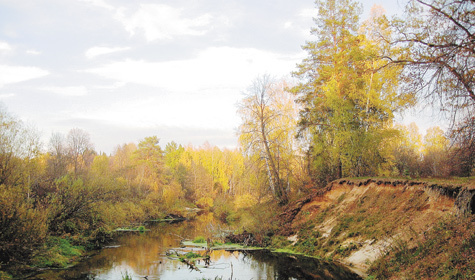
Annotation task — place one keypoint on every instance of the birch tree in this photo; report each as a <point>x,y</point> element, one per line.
<point>267,130</point>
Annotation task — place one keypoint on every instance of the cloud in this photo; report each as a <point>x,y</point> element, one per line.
<point>6,95</point>
<point>15,74</point>
<point>162,22</point>
<point>201,92</point>
<point>99,3</point>
<point>98,51</point>
<point>67,91</point>
<point>204,110</point>
<point>5,47</point>
<point>222,67</point>
<point>308,13</point>
<point>33,52</point>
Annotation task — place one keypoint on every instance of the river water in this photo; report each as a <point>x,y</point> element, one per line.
<point>144,256</point>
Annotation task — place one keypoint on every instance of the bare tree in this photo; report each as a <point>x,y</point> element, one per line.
<point>438,42</point>
<point>18,144</point>
<point>78,147</point>
<point>57,163</point>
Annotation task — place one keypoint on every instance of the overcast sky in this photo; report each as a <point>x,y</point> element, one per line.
<point>123,70</point>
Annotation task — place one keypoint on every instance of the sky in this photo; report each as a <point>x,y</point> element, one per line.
<point>123,70</point>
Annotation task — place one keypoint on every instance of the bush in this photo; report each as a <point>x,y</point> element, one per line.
<point>199,239</point>
<point>223,209</point>
<point>5,276</point>
<point>205,203</point>
<point>24,227</point>
<point>58,252</point>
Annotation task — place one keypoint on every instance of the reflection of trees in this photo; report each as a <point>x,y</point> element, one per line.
<point>144,255</point>
<point>292,267</point>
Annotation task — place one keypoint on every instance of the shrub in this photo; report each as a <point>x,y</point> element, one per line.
<point>199,239</point>
<point>57,252</point>
<point>24,226</point>
<point>192,255</point>
<point>205,202</point>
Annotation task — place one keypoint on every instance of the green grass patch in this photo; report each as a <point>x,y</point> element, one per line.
<point>192,255</point>
<point>199,239</point>
<point>58,252</point>
<point>5,276</point>
<point>126,276</point>
<point>286,251</point>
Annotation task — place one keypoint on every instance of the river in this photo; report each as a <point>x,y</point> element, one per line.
<point>144,256</point>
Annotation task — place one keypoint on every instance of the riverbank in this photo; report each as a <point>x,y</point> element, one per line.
<point>153,255</point>
<point>65,251</point>
<point>368,223</point>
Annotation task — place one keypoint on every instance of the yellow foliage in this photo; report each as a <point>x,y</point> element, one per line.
<point>172,194</point>
<point>245,201</point>
<point>205,219</point>
<point>205,202</point>
<point>23,226</point>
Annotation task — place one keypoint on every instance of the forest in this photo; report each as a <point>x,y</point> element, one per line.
<point>334,118</point>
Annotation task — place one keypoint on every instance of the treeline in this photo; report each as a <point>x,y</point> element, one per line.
<point>69,190</point>
<point>437,154</point>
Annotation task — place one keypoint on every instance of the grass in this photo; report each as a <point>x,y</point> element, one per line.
<point>445,252</point>
<point>192,255</point>
<point>199,239</point>
<point>5,276</point>
<point>58,252</point>
<point>126,276</point>
<point>456,181</point>
<point>341,228</point>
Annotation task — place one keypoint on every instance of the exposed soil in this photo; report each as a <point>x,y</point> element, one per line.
<point>355,221</point>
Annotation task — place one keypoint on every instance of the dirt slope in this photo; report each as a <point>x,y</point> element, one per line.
<point>354,221</point>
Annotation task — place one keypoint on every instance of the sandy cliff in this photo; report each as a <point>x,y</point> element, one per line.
<point>355,221</point>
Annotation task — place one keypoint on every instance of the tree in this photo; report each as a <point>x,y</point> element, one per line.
<point>58,159</point>
<point>72,205</point>
<point>348,98</point>
<point>122,161</point>
<point>18,145</point>
<point>173,154</point>
<point>23,226</point>
<point>79,148</point>
<point>436,147</point>
<point>199,181</point>
<point>462,156</point>
<point>438,39</point>
<point>268,129</point>
<point>407,150</point>
<point>149,162</point>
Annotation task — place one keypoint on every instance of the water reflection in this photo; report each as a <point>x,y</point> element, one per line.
<point>144,255</point>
